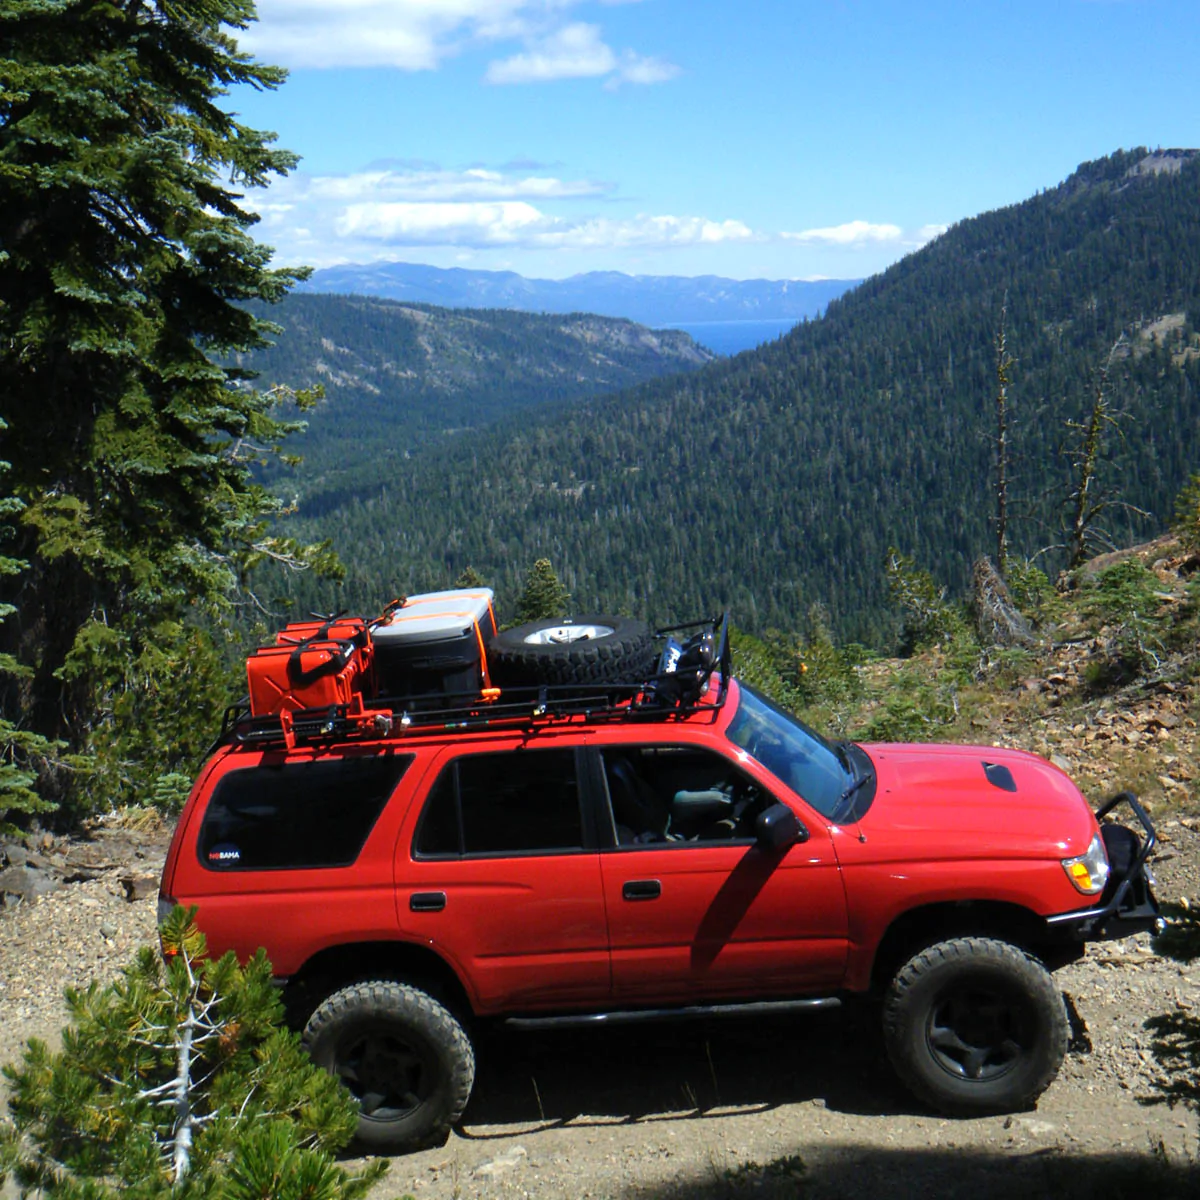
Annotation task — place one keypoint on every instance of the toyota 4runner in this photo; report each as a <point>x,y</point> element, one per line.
<point>607,851</point>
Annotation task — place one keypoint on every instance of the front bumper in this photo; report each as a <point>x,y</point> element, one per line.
<point>1129,905</point>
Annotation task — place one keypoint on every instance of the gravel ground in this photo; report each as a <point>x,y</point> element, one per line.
<point>805,1106</point>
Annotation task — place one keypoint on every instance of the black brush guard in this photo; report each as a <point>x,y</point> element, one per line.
<point>1128,905</point>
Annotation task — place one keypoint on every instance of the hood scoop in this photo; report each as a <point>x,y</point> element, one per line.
<point>1000,776</point>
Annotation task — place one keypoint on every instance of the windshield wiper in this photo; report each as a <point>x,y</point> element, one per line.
<point>862,779</point>
<point>843,754</point>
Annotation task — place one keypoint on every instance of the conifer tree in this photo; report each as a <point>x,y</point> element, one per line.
<point>469,578</point>
<point>20,749</point>
<point>544,597</point>
<point>125,264</point>
<point>179,1081</point>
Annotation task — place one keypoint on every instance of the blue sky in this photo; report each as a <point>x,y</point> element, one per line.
<point>766,138</point>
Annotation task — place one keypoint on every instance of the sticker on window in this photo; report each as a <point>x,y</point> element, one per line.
<point>224,855</point>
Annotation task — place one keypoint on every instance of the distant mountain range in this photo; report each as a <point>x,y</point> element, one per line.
<point>654,300</point>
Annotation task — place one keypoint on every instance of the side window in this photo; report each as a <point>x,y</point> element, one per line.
<point>522,802</point>
<point>670,795</point>
<point>312,814</point>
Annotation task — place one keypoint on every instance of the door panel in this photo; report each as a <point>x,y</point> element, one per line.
<point>696,909</point>
<point>728,920</point>
<point>501,838</point>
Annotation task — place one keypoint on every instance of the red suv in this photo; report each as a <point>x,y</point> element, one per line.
<point>609,851</point>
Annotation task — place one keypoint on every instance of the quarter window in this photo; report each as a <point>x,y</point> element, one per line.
<point>522,802</point>
<point>296,815</point>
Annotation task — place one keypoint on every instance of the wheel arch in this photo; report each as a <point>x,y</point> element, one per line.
<point>921,927</point>
<point>356,962</point>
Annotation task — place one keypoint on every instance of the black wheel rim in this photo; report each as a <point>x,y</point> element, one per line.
<point>977,1033</point>
<point>388,1074</point>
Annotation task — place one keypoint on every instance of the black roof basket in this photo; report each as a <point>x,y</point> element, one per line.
<point>678,688</point>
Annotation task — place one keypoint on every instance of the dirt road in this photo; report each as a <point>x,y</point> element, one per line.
<point>804,1106</point>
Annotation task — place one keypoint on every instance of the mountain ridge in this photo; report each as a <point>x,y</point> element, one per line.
<point>653,300</point>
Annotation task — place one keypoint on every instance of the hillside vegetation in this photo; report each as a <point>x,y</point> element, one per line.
<point>399,375</point>
<point>781,478</point>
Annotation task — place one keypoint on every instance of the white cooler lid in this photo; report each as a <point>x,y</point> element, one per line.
<point>431,616</point>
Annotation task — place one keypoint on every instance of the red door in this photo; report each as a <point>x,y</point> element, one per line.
<point>697,910</point>
<point>501,879</point>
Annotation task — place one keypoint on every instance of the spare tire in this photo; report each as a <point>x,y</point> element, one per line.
<point>591,649</point>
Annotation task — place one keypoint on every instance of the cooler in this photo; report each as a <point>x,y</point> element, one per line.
<point>436,644</point>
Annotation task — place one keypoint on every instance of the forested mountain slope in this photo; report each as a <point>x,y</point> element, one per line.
<point>398,375</point>
<point>779,478</point>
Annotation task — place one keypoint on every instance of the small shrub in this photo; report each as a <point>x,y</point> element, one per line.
<point>928,617</point>
<point>179,1082</point>
<point>1187,515</point>
<point>1123,608</point>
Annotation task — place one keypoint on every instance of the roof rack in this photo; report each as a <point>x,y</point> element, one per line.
<point>678,689</point>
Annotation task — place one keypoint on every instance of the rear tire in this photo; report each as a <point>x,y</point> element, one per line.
<point>573,650</point>
<point>974,1026</point>
<point>404,1058</point>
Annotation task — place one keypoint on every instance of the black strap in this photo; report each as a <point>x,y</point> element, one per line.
<point>299,677</point>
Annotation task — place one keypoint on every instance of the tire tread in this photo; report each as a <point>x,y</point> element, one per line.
<point>386,997</point>
<point>969,949</point>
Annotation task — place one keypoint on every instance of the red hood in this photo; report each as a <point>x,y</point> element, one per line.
<point>928,793</point>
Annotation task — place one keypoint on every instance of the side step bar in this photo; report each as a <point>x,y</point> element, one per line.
<point>764,1008</point>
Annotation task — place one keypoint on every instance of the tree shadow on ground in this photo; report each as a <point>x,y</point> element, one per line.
<point>678,1069</point>
<point>851,1172</point>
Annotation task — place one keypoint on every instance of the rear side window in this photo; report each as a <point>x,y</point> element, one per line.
<point>314,814</point>
<point>525,802</point>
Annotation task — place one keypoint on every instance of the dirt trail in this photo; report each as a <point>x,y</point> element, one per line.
<point>805,1106</point>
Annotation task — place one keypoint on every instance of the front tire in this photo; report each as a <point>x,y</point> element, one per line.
<point>975,1026</point>
<point>402,1055</point>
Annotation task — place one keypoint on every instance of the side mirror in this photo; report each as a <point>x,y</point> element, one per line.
<point>777,827</point>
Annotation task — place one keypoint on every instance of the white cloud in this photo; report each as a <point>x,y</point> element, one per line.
<point>435,184</point>
<point>852,233</point>
<point>377,213</point>
<point>418,35</point>
<point>573,52</point>
<point>645,231</point>
<point>636,69</point>
<point>411,34</point>
<point>518,223</point>
<point>440,224</point>
<point>857,234</point>
<point>927,233</point>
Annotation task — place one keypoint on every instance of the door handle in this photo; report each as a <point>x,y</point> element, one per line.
<point>427,901</point>
<point>641,889</point>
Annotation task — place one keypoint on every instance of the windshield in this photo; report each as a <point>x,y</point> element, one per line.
<point>791,751</point>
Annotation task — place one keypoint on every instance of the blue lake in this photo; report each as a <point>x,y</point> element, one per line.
<point>732,337</point>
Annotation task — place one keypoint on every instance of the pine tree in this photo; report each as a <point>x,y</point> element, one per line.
<point>20,750</point>
<point>179,1081</point>
<point>544,597</point>
<point>125,264</point>
<point>1089,500</point>
<point>469,578</point>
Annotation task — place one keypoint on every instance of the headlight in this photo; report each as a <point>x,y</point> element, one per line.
<point>1089,872</point>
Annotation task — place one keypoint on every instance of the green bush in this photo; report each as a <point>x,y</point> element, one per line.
<point>928,617</point>
<point>1123,607</point>
<point>179,1081</point>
